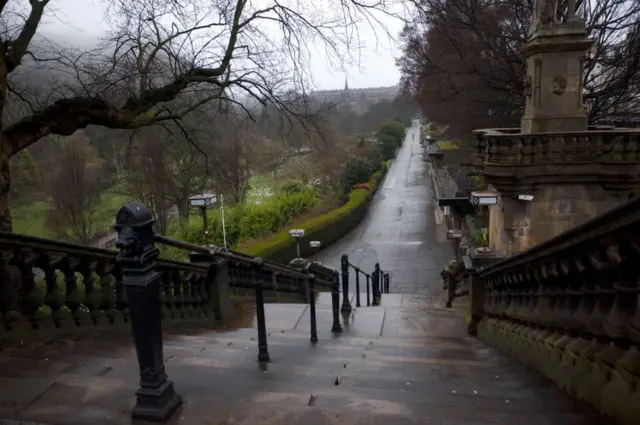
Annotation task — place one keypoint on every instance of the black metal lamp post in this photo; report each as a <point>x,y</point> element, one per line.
<point>203,202</point>
<point>344,265</point>
<point>156,398</point>
<point>297,234</point>
<point>315,245</point>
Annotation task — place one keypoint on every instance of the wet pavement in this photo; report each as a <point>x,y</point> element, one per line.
<point>399,363</point>
<point>400,230</point>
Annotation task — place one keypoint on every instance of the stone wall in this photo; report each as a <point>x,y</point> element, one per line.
<point>517,225</point>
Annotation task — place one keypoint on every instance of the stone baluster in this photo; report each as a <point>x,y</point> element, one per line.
<point>574,270</point>
<point>54,297</point>
<point>513,296</point>
<point>122,304</point>
<point>177,293</point>
<point>73,297</point>
<point>30,297</point>
<point>92,297</point>
<point>586,295</point>
<point>195,282</point>
<point>555,289</point>
<point>541,309</point>
<point>604,292</point>
<point>107,303</point>
<point>562,309</point>
<point>167,297</point>
<point>188,307</point>
<point>525,310</point>
<point>623,258</point>
<point>494,296</point>
<point>205,298</point>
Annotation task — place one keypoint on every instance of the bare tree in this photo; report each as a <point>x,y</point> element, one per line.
<point>462,59</point>
<point>148,177</point>
<point>163,59</point>
<point>75,189</point>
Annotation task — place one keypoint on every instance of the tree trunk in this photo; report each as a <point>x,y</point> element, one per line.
<point>5,189</point>
<point>183,209</point>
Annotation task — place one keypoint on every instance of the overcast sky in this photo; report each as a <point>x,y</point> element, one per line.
<point>81,21</point>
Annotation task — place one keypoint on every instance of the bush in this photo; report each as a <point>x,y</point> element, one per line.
<point>327,228</point>
<point>393,129</point>
<point>292,187</point>
<point>251,221</point>
<point>355,171</point>
<point>388,146</point>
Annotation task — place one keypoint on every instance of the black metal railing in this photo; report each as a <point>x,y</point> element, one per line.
<point>47,286</point>
<point>376,284</point>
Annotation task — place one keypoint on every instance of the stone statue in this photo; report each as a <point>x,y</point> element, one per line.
<point>544,12</point>
<point>547,12</point>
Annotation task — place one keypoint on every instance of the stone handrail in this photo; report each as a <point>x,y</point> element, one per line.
<point>570,308</point>
<point>584,281</point>
<point>48,285</point>
<point>507,146</point>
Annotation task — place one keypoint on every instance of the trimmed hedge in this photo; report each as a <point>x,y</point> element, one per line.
<point>327,228</point>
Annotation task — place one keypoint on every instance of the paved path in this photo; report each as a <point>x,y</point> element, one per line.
<point>394,364</point>
<point>400,229</point>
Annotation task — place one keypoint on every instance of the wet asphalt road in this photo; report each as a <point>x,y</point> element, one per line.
<point>400,230</point>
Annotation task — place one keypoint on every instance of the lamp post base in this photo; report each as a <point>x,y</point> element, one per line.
<point>156,404</point>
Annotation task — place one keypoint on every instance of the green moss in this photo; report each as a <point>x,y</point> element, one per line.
<point>447,145</point>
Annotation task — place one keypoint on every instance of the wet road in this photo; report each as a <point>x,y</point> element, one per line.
<point>400,230</point>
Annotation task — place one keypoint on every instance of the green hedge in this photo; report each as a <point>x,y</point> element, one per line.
<point>327,228</point>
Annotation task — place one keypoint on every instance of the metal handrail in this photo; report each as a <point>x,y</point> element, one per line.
<point>359,270</point>
<point>239,257</point>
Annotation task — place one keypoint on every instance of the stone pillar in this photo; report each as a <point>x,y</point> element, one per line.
<point>217,284</point>
<point>555,54</point>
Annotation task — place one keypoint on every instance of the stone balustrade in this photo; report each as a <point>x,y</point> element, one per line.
<point>515,161</point>
<point>49,286</point>
<point>570,308</point>
<point>508,146</point>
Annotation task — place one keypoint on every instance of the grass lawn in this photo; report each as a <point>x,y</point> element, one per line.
<point>31,218</point>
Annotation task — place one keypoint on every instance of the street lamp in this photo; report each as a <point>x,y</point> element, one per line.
<point>203,201</point>
<point>485,198</point>
<point>315,245</point>
<point>297,234</point>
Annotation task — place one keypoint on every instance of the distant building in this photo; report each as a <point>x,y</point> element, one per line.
<point>356,100</point>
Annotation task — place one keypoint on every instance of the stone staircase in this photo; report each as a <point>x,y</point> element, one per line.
<point>408,361</point>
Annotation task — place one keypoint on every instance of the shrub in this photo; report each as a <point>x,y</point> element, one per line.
<point>326,228</point>
<point>355,171</point>
<point>251,221</point>
<point>292,187</point>
<point>388,146</point>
